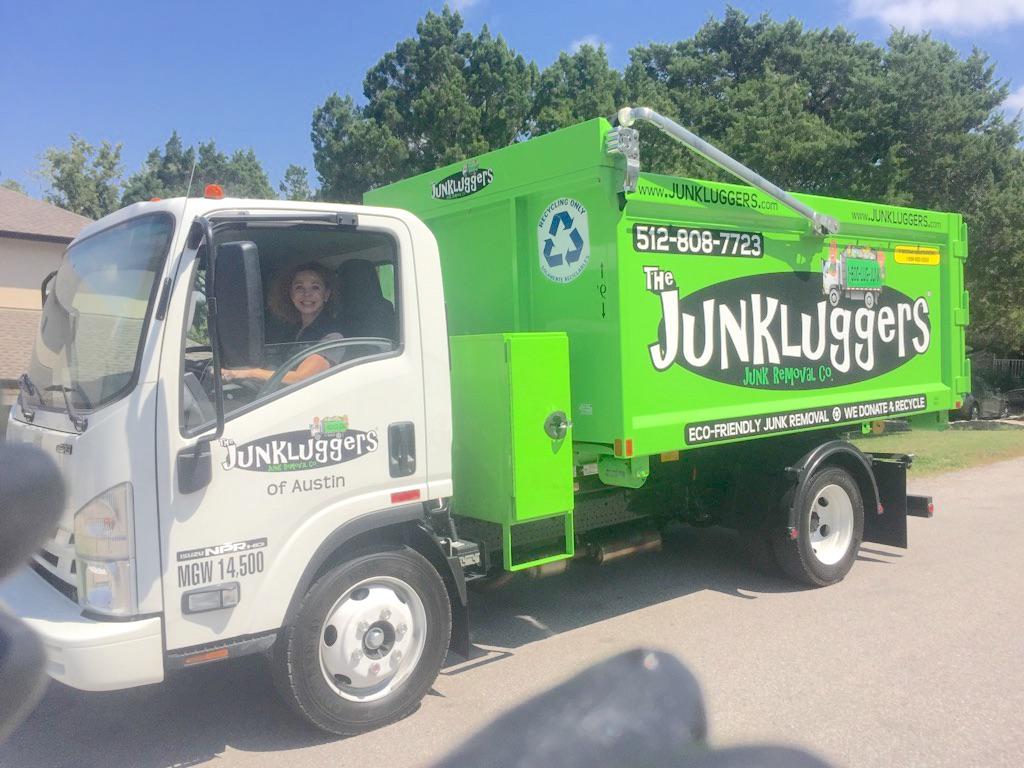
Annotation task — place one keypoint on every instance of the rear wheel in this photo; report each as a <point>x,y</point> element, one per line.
<point>830,527</point>
<point>367,643</point>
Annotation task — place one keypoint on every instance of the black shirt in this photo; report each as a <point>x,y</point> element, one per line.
<point>323,328</point>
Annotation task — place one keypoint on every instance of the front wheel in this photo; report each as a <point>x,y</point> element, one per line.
<point>829,530</point>
<point>367,642</point>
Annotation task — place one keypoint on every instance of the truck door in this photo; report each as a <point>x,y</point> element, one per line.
<point>323,415</point>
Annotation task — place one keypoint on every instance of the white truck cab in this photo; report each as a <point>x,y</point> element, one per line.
<point>205,513</point>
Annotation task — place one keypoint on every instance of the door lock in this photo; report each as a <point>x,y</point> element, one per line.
<point>557,425</point>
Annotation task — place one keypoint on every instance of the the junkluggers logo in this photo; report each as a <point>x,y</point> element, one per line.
<point>327,441</point>
<point>776,331</point>
<point>462,183</point>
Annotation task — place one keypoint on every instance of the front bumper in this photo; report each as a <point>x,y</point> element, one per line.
<point>81,652</point>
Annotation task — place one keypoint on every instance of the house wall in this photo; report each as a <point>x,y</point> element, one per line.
<point>23,265</point>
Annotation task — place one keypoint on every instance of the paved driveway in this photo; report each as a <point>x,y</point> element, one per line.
<point>914,660</point>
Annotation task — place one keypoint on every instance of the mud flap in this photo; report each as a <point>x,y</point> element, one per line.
<point>888,524</point>
<point>460,642</point>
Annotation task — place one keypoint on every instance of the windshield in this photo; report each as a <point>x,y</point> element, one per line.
<point>90,333</point>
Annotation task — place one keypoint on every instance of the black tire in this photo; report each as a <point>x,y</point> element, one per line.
<point>300,673</point>
<point>800,559</point>
<point>869,299</point>
<point>834,297</point>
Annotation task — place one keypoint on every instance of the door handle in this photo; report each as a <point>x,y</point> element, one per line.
<point>557,425</point>
<point>195,467</point>
<point>402,449</point>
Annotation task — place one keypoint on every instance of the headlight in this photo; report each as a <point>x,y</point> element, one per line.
<point>105,550</point>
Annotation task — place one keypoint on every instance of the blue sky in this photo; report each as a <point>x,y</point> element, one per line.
<point>250,74</point>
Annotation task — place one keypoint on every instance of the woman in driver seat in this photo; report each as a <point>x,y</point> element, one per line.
<point>300,297</point>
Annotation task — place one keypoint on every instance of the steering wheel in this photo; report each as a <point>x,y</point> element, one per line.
<point>382,344</point>
<point>201,368</point>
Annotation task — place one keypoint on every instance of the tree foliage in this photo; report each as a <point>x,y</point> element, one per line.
<point>13,185</point>
<point>166,173</point>
<point>295,184</point>
<point>83,178</point>
<point>437,98</point>
<point>576,87</point>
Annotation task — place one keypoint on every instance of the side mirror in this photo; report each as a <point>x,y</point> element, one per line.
<point>44,287</point>
<point>238,290</point>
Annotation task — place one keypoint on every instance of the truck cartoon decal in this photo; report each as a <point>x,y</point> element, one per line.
<point>856,272</point>
<point>327,442</point>
<point>770,332</point>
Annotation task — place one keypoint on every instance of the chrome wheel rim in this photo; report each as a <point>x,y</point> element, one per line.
<point>373,638</point>
<point>830,524</point>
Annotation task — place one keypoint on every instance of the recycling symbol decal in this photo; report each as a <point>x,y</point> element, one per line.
<point>563,240</point>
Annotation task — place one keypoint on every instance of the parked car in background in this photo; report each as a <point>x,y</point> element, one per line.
<point>983,403</point>
<point>1015,400</point>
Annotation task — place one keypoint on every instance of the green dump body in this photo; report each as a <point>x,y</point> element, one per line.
<point>695,310</point>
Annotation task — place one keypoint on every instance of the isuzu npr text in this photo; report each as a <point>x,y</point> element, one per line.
<point>541,354</point>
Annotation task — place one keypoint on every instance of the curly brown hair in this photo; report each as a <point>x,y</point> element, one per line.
<point>279,299</point>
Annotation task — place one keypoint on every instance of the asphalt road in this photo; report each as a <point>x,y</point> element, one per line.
<point>914,660</point>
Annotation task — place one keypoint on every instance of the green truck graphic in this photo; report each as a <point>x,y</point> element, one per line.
<point>856,273</point>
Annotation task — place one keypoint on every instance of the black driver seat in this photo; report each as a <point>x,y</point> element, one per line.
<point>363,310</point>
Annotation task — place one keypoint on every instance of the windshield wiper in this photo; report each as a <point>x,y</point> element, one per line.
<point>27,389</point>
<point>80,422</point>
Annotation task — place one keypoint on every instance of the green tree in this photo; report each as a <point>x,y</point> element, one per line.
<point>798,106</point>
<point>83,178</point>
<point>435,99</point>
<point>295,184</point>
<point>166,173</point>
<point>13,185</point>
<point>577,87</point>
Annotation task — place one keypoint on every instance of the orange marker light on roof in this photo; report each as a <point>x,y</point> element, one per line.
<point>214,192</point>
<point>154,199</point>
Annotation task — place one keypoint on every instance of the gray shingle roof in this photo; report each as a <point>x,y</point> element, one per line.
<point>23,216</point>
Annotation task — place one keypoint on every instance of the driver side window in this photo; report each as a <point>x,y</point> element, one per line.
<point>326,300</point>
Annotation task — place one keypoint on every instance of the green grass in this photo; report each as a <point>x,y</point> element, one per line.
<point>953,449</point>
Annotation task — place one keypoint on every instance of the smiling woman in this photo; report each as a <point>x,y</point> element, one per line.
<point>300,296</point>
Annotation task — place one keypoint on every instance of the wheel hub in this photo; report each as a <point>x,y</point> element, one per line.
<point>372,638</point>
<point>830,526</point>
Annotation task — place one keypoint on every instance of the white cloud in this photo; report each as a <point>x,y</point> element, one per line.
<point>954,15</point>
<point>592,40</point>
<point>1015,101</point>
